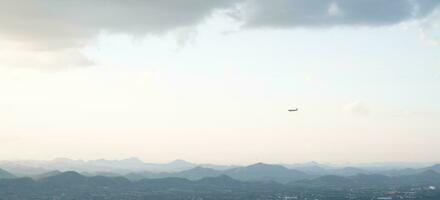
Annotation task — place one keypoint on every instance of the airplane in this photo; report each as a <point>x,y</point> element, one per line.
<point>293,110</point>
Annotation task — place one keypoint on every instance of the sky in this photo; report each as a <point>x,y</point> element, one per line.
<point>211,81</point>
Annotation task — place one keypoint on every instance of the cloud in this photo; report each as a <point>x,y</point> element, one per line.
<point>357,108</point>
<point>63,26</point>
<point>50,33</point>
<point>430,29</point>
<point>16,55</point>
<point>50,24</point>
<point>329,13</point>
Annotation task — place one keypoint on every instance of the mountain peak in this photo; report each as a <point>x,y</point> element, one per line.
<point>69,177</point>
<point>180,162</point>
<point>5,174</point>
<point>261,165</point>
<point>133,160</point>
<point>223,180</point>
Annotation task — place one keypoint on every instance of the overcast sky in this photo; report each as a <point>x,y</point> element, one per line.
<point>211,81</point>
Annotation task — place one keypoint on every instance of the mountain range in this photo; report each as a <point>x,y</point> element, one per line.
<point>135,169</point>
<point>73,185</point>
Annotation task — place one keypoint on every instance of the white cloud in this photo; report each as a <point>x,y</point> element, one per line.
<point>334,10</point>
<point>430,29</point>
<point>18,55</point>
<point>357,108</point>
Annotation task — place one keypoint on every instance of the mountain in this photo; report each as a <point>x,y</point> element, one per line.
<point>435,168</point>
<point>220,181</point>
<point>409,171</point>
<point>315,170</point>
<point>22,169</point>
<point>349,171</point>
<point>426,178</point>
<point>217,167</point>
<point>33,168</point>
<point>73,185</point>
<point>165,183</point>
<point>47,175</point>
<point>368,180</point>
<point>75,180</point>
<point>256,172</point>
<point>65,178</point>
<point>327,181</point>
<point>430,177</point>
<point>6,175</point>
<point>265,172</point>
<point>190,174</point>
<point>197,173</point>
<point>136,176</point>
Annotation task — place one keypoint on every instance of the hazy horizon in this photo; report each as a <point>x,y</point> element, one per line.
<point>391,164</point>
<point>212,81</point>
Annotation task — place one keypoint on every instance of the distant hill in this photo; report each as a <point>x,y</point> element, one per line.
<point>47,175</point>
<point>425,178</point>
<point>198,173</point>
<point>190,174</point>
<point>265,172</point>
<point>435,168</point>
<point>256,172</point>
<point>221,181</point>
<point>6,175</point>
<point>73,185</point>
<point>430,177</point>
<point>348,171</point>
<point>136,169</point>
<point>327,181</point>
<point>33,168</point>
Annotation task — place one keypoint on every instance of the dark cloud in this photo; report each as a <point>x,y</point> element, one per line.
<point>327,13</point>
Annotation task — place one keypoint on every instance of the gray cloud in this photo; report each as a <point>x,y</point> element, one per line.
<point>68,25</point>
<point>52,24</point>
<point>49,24</point>
<point>328,13</point>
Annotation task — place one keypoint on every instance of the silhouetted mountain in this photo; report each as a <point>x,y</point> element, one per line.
<point>328,181</point>
<point>33,168</point>
<point>427,177</point>
<point>313,170</point>
<point>256,172</point>
<point>265,172</point>
<point>6,175</point>
<point>136,176</point>
<point>72,185</point>
<point>47,175</point>
<point>220,181</point>
<point>376,180</point>
<point>400,172</point>
<point>75,180</point>
<point>435,168</point>
<point>217,167</point>
<point>409,171</point>
<point>69,178</point>
<point>197,173</point>
<point>191,174</point>
<point>349,171</point>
